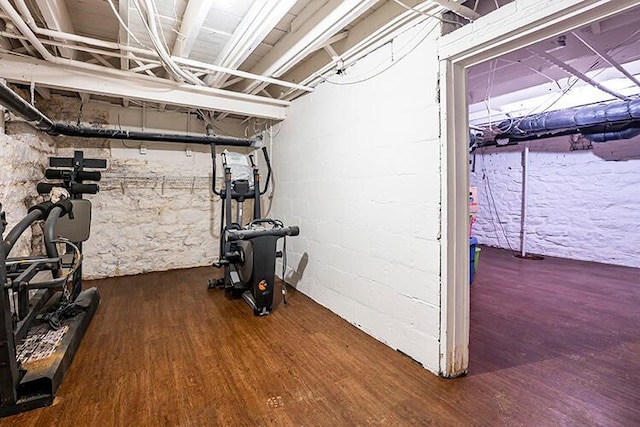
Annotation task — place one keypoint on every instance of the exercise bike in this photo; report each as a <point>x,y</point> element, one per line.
<point>248,252</point>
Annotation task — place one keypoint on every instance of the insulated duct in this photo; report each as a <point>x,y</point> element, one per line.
<point>21,108</point>
<point>599,122</point>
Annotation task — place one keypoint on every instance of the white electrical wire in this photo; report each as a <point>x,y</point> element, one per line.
<point>150,23</point>
<point>156,16</point>
<point>126,28</point>
<point>388,66</point>
<point>515,123</point>
<point>493,65</point>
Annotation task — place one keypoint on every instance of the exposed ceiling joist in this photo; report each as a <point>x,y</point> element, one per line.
<point>367,35</point>
<point>26,71</point>
<point>192,21</point>
<point>44,92</point>
<point>27,29</point>
<point>261,18</point>
<point>123,34</point>
<point>572,71</point>
<point>144,68</point>
<point>336,38</point>
<point>310,36</point>
<point>588,42</point>
<point>101,60</point>
<point>123,39</point>
<point>458,9</point>
<point>218,69</point>
<point>56,16</point>
<point>310,9</point>
<point>332,52</point>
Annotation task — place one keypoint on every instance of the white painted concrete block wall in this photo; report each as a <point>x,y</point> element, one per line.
<point>581,205</point>
<point>357,168</point>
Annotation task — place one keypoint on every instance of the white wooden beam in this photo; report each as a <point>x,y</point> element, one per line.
<point>231,82</point>
<point>332,52</point>
<point>310,36</point>
<point>43,92</point>
<point>591,44</point>
<point>144,68</point>
<point>261,18</point>
<point>572,71</point>
<point>56,16</point>
<point>337,38</point>
<point>192,20</point>
<point>27,70</point>
<point>101,60</point>
<point>370,33</point>
<point>30,31</point>
<point>123,38</point>
<point>458,9</point>
<point>311,9</point>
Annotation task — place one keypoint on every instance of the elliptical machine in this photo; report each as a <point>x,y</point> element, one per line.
<point>247,253</point>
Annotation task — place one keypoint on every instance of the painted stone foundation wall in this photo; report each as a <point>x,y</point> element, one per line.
<point>582,204</point>
<point>155,210</point>
<point>23,153</point>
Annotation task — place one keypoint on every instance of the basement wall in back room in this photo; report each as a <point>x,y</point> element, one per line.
<point>358,169</point>
<point>582,204</point>
<point>23,153</point>
<point>155,211</point>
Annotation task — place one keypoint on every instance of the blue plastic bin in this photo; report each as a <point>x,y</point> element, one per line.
<point>472,257</point>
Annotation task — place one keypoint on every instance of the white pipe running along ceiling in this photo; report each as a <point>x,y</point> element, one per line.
<point>29,35</point>
<point>241,46</point>
<point>260,20</point>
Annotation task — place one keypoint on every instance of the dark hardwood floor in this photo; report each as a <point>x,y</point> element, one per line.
<point>553,342</point>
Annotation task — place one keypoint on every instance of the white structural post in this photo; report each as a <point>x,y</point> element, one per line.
<point>523,216</point>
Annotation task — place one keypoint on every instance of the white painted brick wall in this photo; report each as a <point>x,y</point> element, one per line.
<point>581,205</point>
<point>357,168</point>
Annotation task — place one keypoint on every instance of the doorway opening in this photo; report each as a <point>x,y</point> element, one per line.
<point>458,55</point>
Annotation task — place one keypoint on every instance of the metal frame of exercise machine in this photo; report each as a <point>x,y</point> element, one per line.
<point>71,171</point>
<point>248,252</point>
<point>46,291</point>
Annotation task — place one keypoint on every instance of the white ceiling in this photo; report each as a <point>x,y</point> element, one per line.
<point>523,82</point>
<point>284,47</point>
